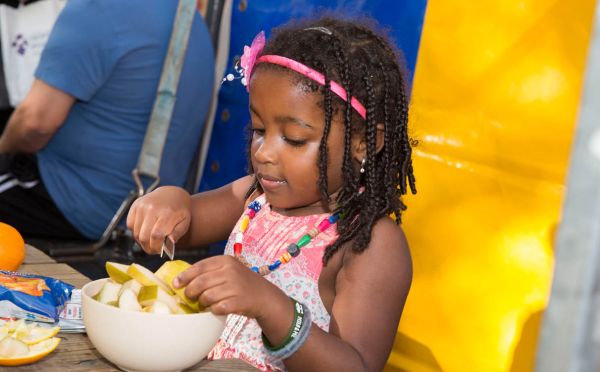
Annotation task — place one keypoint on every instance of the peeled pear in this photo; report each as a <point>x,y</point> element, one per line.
<point>117,272</point>
<point>128,301</point>
<point>167,272</point>
<point>150,294</point>
<point>147,277</point>
<point>158,307</point>
<point>109,292</point>
<point>132,284</point>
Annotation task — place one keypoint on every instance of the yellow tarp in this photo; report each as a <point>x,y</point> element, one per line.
<point>494,107</point>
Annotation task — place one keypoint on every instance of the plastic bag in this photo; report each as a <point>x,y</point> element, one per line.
<point>32,297</point>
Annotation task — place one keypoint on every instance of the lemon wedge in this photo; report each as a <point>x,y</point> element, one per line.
<point>21,329</point>
<point>15,324</point>
<point>3,332</point>
<point>35,352</point>
<point>24,343</point>
<point>37,334</point>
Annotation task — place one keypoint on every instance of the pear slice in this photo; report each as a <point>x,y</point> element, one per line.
<point>117,272</point>
<point>146,277</point>
<point>109,292</point>
<point>158,307</point>
<point>167,272</point>
<point>186,309</point>
<point>132,284</point>
<point>152,293</point>
<point>128,301</point>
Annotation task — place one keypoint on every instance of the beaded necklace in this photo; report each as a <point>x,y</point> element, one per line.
<point>293,249</point>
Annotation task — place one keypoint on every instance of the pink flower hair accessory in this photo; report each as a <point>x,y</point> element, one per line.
<point>245,65</point>
<point>249,57</point>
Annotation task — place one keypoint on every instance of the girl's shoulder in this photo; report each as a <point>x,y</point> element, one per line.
<point>387,253</point>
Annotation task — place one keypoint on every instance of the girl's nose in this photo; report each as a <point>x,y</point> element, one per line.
<point>265,151</point>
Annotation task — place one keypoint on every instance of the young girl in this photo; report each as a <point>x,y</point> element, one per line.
<point>315,272</point>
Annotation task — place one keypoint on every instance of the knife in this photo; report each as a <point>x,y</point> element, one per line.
<point>168,248</point>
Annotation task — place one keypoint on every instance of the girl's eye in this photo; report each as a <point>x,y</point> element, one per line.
<point>295,143</point>
<point>259,131</point>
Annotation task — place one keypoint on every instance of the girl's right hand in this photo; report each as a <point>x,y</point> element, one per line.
<point>165,212</point>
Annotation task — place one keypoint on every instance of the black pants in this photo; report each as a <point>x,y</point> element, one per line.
<point>25,203</point>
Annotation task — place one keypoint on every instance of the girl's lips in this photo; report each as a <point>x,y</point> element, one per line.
<point>270,183</point>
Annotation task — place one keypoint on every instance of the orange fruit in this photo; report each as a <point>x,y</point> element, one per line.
<point>12,248</point>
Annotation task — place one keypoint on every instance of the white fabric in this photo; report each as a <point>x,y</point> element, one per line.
<point>8,181</point>
<point>24,32</point>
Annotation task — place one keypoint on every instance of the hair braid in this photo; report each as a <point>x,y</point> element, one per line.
<point>323,151</point>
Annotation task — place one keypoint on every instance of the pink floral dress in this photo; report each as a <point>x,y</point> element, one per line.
<point>267,237</point>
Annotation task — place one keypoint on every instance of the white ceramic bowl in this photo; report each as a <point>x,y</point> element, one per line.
<point>138,341</point>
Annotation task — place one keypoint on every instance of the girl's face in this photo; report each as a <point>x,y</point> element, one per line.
<point>287,125</point>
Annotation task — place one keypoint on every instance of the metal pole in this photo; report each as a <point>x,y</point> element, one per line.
<point>570,335</point>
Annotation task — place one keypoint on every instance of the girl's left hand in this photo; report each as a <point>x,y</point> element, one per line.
<point>229,287</point>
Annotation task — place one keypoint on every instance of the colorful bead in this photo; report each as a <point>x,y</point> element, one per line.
<point>313,232</point>
<point>293,250</point>
<point>285,258</point>
<point>264,270</point>
<point>255,206</point>
<point>304,240</point>
<point>244,223</point>
<point>274,265</point>
<point>251,213</point>
<point>238,237</point>
<point>237,249</point>
<point>333,218</point>
<point>324,225</point>
<point>255,269</point>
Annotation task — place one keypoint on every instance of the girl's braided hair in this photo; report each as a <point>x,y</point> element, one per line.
<point>370,69</point>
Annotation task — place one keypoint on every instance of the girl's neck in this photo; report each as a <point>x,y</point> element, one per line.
<point>307,210</point>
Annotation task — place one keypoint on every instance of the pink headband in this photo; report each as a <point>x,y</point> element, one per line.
<point>248,61</point>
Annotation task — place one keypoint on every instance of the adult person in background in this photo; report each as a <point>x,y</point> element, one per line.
<point>86,115</point>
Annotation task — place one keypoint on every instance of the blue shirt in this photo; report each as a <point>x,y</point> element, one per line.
<point>109,54</point>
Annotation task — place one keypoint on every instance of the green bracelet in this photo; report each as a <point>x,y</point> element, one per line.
<point>294,329</point>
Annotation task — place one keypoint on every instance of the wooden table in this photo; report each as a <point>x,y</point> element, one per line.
<point>76,352</point>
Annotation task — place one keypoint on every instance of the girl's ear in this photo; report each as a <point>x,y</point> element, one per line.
<point>359,143</point>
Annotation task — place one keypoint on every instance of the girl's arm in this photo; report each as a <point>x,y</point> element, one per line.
<point>189,221</point>
<point>215,213</point>
<point>371,289</point>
